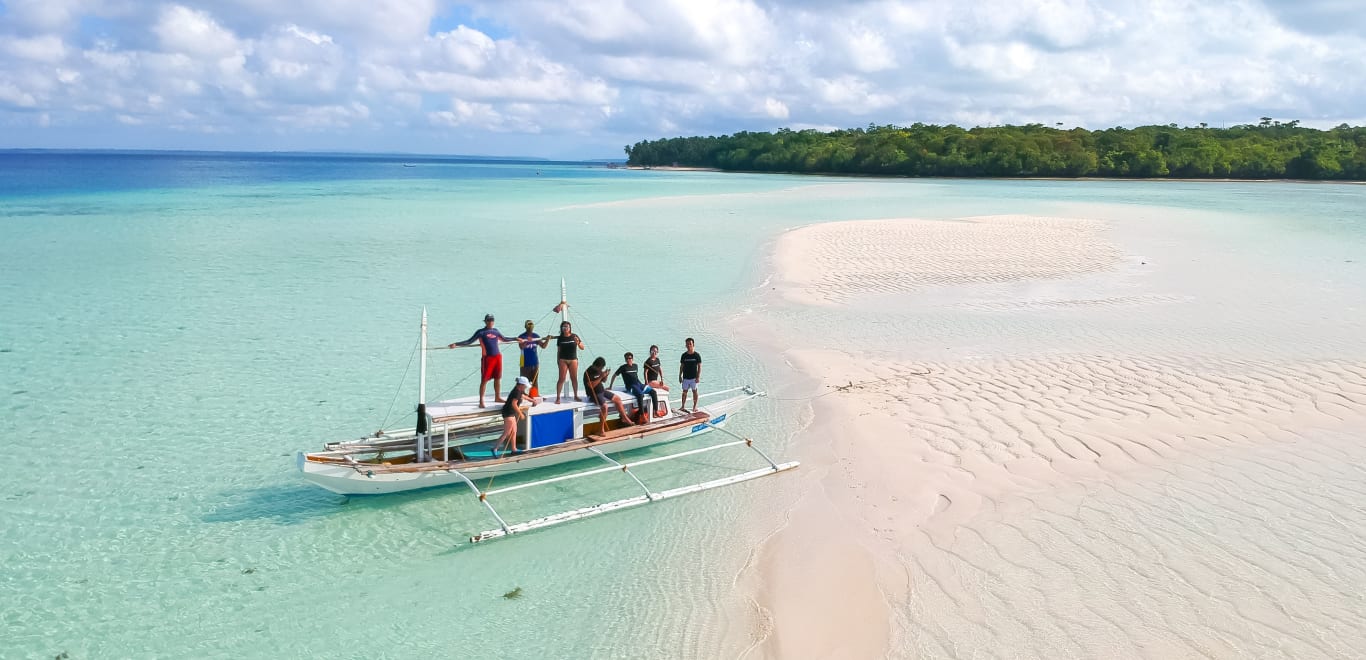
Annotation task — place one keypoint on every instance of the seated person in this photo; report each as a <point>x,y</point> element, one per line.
<point>594,380</point>
<point>630,377</point>
<point>654,372</point>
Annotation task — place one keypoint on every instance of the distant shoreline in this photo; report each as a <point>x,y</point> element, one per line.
<point>675,168</point>
<point>854,175</point>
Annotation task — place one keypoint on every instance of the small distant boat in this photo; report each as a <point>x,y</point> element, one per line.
<point>410,164</point>
<point>453,443</point>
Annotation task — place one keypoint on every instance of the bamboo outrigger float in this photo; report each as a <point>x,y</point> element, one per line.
<point>453,443</point>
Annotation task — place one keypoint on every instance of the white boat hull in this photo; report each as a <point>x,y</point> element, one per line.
<point>359,479</point>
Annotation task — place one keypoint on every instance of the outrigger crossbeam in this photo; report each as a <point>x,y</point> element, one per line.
<point>607,507</point>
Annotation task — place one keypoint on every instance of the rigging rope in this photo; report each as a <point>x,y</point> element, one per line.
<point>476,370</point>
<point>416,345</point>
<point>600,330</point>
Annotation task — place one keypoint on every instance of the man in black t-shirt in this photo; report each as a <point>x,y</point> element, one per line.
<point>630,377</point>
<point>594,380</point>
<point>689,374</point>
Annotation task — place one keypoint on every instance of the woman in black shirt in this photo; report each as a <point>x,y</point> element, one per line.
<point>654,372</point>
<point>567,346</point>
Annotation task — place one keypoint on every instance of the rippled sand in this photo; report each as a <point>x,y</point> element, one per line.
<point>1098,504</point>
<point>830,263</point>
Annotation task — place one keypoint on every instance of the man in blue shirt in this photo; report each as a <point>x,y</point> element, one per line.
<point>491,364</point>
<point>529,341</point>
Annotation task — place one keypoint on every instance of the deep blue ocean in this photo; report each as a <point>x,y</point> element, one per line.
<point>44,172</point>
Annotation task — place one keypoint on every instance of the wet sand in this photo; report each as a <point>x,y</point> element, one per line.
<point>1106,503</point>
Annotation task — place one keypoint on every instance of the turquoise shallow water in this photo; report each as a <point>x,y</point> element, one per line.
<point>164,350</point>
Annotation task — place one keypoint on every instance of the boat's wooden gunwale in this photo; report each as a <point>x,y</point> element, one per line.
<point>577,444</point>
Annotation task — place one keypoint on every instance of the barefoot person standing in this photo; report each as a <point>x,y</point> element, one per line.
<point>491,362</point>
<point>689,374</point>
<point>530,342</point>
<point>567,347</point>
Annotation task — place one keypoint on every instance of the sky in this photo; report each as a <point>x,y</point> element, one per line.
<point>583,78</point>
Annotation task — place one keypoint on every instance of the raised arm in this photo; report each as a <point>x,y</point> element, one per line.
<point>468,342</point>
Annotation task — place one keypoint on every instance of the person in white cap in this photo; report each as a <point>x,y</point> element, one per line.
<point>512,411</point>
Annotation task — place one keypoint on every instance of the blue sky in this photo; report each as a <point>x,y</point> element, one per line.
<point>581,79</point>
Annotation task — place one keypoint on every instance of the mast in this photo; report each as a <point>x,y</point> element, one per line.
<point>422,388</point>
<point>564,302</point>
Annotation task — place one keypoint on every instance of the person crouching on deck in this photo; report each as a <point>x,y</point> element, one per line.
<point>593,378</point>
<point>630,377</point>
<point>512,411</point>
<point>491,364</point>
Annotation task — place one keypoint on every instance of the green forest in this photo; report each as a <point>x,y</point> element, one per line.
<point>1267,150</point>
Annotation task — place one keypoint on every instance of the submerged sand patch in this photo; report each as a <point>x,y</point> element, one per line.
<point>831,263</point>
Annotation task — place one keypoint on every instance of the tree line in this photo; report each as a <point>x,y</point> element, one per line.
<point>1267,150</point>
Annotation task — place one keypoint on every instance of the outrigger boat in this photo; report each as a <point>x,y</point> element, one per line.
<point>453,443</point>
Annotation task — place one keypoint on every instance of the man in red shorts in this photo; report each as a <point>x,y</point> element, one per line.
<point>491,364</point>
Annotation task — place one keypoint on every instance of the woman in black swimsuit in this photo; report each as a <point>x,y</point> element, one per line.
<point>567,346</point>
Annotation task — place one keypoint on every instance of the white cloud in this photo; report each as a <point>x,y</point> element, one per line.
<point>12,95</point>
<point>464,112</point>
<point>775,108</point>
<point>466,49</point>
<point>300,66</point>
<point>1003,61</point>
<point>48,48</point>
<point>312,37</point>
<point>45,15</point>
<point>852,93</point>
<point>868,51</point>
<point>193,32</point>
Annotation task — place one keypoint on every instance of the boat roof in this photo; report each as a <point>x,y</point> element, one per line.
<point>468,406</point>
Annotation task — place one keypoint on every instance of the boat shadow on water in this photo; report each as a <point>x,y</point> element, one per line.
<point>293,503</point>
<point>286,504</point>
